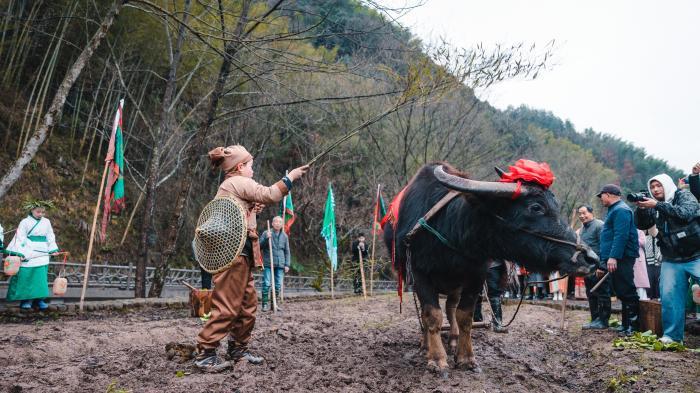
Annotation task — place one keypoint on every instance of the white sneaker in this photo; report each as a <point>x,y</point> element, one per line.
<point>666,340</point>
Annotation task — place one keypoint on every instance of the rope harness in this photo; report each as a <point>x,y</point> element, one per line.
<point>423,223</point>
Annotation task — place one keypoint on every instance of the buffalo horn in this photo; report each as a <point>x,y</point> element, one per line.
<point>499,171</point>
<point>478,187</point>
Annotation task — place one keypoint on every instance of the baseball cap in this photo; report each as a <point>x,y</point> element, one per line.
<point>613,189</point>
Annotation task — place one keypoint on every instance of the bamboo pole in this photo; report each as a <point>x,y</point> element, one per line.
<point>332,291</point>
<point>563,312</point>
<point>131,218</point>
<point>362,273</point>
<point>272,268</point>
<point>284,225</point>
<point>92,237</point>
<point>374,240</point>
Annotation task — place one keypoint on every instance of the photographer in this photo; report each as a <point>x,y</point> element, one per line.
<point>676,214</point>
<point>694,181</point>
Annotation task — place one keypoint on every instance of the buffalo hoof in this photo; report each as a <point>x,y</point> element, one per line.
<point>439,367</point>
<point>470,365</point>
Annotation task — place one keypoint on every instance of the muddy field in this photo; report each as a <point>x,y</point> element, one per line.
<point>346,345</point>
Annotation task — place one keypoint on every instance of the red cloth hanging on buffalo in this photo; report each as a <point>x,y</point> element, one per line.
<point>392,216</point>
<point>529,171</point>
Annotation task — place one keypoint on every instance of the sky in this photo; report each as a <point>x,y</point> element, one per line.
<point>626,68</point>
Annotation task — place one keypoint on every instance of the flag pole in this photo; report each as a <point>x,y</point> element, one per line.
<point>332,291</point>
<point>374,238</point>
<point>272,268</point>
<point>284,225</point>
<point>362,273</point>
<point>92,237</point>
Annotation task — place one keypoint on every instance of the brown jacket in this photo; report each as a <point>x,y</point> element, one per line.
<point>248,192</point>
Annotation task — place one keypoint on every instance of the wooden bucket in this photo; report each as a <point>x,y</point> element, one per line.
<point>650,316</point>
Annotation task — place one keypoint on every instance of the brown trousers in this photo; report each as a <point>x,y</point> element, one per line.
<point>234,303</point>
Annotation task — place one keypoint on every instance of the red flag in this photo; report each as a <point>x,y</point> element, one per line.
<point>114,189</point>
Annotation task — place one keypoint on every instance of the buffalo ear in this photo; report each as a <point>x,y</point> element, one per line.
<point>499,171</point>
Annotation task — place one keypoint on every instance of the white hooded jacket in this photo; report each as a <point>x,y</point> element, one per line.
<point>668,185</point>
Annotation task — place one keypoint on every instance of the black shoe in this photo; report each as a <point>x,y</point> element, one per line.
<point>238,352</point>
<point>209,361</point>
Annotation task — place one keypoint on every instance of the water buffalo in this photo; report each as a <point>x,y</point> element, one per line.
<point>485,222</point>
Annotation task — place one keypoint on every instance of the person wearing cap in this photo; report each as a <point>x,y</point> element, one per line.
<point>619,250</point>
<point>598,301</point>
<point>234,300</point>
<point>676,215</point>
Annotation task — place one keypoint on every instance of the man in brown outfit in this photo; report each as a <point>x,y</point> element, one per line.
<point>234,300</point>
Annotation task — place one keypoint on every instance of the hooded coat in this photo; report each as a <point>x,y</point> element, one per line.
<point>674,213</point>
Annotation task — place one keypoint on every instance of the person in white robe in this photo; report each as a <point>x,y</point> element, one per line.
<point>34,242</point>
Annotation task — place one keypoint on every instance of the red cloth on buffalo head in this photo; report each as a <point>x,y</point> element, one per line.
<point>529,171</point>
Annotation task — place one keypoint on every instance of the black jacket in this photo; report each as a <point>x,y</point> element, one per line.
<point>669,218</point>
<point>694,181</point>
<point>356,252</point>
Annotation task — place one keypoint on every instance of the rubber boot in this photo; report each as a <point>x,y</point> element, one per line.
<point>632,318</point>
<point>265,306</point>
<point>623,316</point>
<point>478,316</point>
<point>622,331</point>
<point>594,308</point>
<point>279,302</point>
<point>604,309</point>
<point>497,316</point>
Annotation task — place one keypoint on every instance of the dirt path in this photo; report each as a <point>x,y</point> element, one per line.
<point>345,345</point>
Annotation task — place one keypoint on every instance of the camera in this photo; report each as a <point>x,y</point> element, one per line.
<point>638,196</point>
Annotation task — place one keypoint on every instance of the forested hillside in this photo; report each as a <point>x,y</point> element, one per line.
<point>284,79</point>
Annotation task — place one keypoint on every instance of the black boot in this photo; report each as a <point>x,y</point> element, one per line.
<point>265,306</point>
<point>478,317</point>
<point>624,328</point>
<point>497,316</point>
<point>632,319</point>
<point>594,309</point>
<point>623,316</point>
<point>237,352</point>
<point>604,309</point>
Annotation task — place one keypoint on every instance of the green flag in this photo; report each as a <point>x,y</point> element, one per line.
<point>328,229</point>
